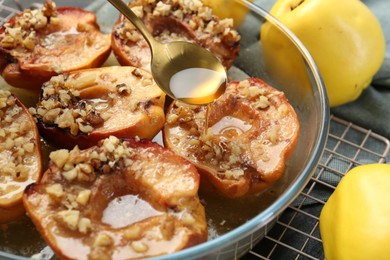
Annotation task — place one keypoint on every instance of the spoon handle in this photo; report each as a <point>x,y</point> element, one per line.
<point>133,18</point>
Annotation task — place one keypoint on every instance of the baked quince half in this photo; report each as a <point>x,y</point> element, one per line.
<point>121,199</point>
<point>20,155</point>
<point>38,44</point>
<point>83,107</point>
<point>243,145</point>
<point>170,20</point>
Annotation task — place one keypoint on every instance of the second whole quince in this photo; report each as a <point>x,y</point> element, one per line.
<point>354,222</point>
<point>344,38</point>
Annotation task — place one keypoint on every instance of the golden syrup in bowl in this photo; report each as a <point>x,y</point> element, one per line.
<point>230,126</point>
<point>127,210</point>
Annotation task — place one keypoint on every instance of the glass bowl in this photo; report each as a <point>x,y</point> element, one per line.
<point>235,226</point>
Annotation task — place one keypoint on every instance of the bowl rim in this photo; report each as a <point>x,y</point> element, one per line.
<point>287,197</point>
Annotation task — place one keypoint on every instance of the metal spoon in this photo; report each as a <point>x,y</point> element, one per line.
<point>183,70</point>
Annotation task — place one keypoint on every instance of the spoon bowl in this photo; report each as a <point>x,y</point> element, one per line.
<point>183,70</point>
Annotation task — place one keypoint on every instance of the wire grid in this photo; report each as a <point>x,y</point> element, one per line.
<point>296,233</point>
<point>6,12</point>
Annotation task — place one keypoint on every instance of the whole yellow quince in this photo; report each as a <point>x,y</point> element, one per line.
<point>355,221</point>
<point>344,38</point>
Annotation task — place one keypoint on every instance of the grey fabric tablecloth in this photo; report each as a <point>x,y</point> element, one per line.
<point>372,109</point>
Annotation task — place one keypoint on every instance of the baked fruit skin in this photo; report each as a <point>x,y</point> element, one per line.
<point>252,130</point>
<point>36,45</point>
<point>81,206</point>
<point>20,155</point>
<point>83,107</point>
<point>170,20</point>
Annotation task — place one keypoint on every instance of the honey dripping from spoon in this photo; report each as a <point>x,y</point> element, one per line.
<point>207,116</point>
<point>199,86</point>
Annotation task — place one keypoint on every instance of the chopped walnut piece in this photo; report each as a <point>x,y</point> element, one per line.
<point>85,225</point>
<point>59,157</point>
<point>55,190</point>
<point>83,197</point>
<point>103,240</point>
<point>139,246</point>
<point>70,218</point>
<point>133,232</point>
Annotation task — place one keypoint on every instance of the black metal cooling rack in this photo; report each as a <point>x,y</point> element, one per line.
<point>296,233</point>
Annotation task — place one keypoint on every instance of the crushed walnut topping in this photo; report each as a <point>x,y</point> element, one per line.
<point>258,96</point>
<point>205,145</point>
<point>227,155</point>
<point>22,31</point>
<point>112,155</point>
<point>17,142</point>
<point>60,104</point>
<point>198,17</point>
